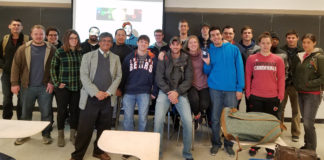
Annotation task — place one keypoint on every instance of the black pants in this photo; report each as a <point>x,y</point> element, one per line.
<point>7,98</point>
<point>199,100</point>
<point>67,104</point>
<point>266,105</point>
<point>96,115</point>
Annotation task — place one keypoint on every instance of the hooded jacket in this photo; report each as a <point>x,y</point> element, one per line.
<point>308,73</point>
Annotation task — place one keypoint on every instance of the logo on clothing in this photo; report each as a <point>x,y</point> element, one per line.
<point>146,65</point>
<point>275,109</point>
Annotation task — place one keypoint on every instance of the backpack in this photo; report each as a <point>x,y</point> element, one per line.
<point>250,126</point>
<point>6,39</point>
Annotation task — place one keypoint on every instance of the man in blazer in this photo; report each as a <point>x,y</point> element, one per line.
<point>100,75</point>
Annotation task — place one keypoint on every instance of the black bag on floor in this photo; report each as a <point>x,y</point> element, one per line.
<point>5,157</point>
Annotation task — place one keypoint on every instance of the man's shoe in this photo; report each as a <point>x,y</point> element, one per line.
<point>295,138</point>
<point>124,157</point>
<point>47,139</point>
<point>214,150</point>
<point>229,151</point>
<point>20,141</point>
<point>103,156</point>
<point>189,159</point>
<point>303,147</point>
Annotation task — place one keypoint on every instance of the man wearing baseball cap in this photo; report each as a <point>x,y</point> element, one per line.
<point>91,43</point>
<point>174,77</point>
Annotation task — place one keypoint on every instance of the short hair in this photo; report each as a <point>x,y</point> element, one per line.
<point>126,23</point>
<point>52,29</point>
<point>183,21</point>
<point>159,31</point>
<point>120,29</point>
<point>104,35</point>
<point>292,32</point>
<point>143,37</point>
<point>38,26</point>
<point>95,28</point>
<point>16,20</point>
<point>264,35</point>
<point>66,39</point>
<point>228,27</point>
<point>205,25</point>
<point>215,28</point>
<point>245,28</point>
<point>185,46</point>
<point>309,36</point>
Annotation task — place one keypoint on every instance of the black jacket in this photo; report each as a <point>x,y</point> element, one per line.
<point>87,47</point>
<point>174,76</point>
<point>10,50</point>
<point>291,54</point>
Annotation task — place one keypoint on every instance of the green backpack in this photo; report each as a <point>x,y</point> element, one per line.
<point>251,126</point>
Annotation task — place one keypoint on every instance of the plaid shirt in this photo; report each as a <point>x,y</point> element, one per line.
<point>65,68</point>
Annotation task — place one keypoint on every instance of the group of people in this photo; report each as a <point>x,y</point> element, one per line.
<point>86,79</point>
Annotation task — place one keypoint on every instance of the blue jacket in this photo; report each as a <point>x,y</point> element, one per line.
<point>132,41</point>
<point>225,71</point>
<point>139,79</point>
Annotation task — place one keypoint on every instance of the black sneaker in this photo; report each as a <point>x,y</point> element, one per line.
<point>196,121</point>
<point>214,150</point>
<point>229,151</point>
<point>270,155</point>
<point>303,147</point>
<point>253,151</point>
<point>189,159</point>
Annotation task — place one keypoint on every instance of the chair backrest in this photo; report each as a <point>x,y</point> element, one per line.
<point>144,145</point>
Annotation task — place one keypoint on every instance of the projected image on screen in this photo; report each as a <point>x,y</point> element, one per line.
<point>115,14</point>
<point>109,15</point>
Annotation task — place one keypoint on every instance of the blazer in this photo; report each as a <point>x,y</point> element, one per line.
<point>88,70</point>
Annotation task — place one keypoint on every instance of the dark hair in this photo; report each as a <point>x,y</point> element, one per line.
<point>245,28</point>
<point>143,37</point>
<point>104,35</point>
<point>66,39</point>
<point>95,28</point>
<point>264,35</point>
<point>292,32</point>
<point>16,20</point>
<point>52,29</point>
<point>228,27</point>
<point>309,36</point>
<point>120,29</point>
<point>215,28</point>
<point>159,31</point>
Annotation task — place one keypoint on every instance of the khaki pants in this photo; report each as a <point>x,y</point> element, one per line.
<point>295,120</point>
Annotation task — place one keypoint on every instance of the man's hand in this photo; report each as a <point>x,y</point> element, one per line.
<point>101,95</point>
<point>119,93</point>
<point>239,95</point>
<point>161,56</point>
<point>15,89</point>
<point>153,97</point>
<point>206,60</point>
<point>50,88</point>
<point>62,85</point>
<point>173,97</point>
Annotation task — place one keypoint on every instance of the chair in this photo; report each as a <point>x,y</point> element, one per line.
<point>144,145</point>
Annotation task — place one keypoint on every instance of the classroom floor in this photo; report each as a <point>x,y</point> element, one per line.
<point>35,150</point>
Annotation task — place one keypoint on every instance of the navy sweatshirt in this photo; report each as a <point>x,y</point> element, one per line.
<point>139,78</point>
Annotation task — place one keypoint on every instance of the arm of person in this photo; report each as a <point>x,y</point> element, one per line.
<point>320,69</point>
<point>248,77</point>
<point>125,71</point>
<point>55,69</point>
<point>1,54</point>
<point>281,78</point>
<point>160,77</point>
<point>155,88</point>
<point>91,88</point>
<point>115,82</point>
<point>188,76</point>
<point>239,70</point>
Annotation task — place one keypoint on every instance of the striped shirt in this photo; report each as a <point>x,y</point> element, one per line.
<point>65,68</point>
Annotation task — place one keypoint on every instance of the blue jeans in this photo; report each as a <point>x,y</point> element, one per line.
<point>44,100</point>
<point>129,101</point>
<point>183,107</point>
<point>220,99</point>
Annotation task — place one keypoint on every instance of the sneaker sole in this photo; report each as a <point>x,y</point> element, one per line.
<point>21,142</point>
